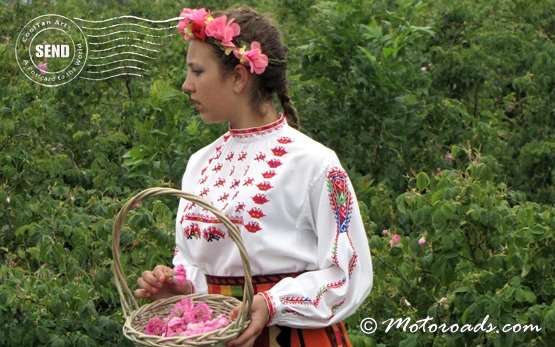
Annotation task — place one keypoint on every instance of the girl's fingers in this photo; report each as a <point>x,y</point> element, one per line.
<point>162,273</point>
<point>151,279</point>
<point>146,286</point>
<point>141,293</point>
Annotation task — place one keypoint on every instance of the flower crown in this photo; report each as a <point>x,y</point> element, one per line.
<point>199,24</point>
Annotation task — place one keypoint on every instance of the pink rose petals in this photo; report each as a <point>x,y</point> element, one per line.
<point>179,275</point>
<point>185,319</point>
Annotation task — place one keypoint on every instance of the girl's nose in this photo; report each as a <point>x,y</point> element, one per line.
<point>187,86</point>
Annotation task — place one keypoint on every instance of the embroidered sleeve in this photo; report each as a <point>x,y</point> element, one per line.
<point>344,276</point>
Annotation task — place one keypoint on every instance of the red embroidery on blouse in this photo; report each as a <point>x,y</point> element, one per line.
<point>248,181</point>
<point>352,263</point>
<point>284,140</point>
<point>264,186</point>
<point>325,288</point>
<point>203,179</point>
<point>213,233</point>
<point>223,198</point>
<point>270,304</point>
<point>340,198</point>
<point>279,151</point>
<point>269,174</point>
<point>334,259</point>
<point>260,199</point>
<point>300,300</point>
<point>204,218</point>
<point>232,170</point>
<point>273,163</point>
<point>252,227</point>
<point>220,182</point>
<point>217,167</point>
<point>242,156</point>
<point>204,192</point>
<point>296,300</point>
<point>235,184</point>
<point>235,195</point>
<point>246,170</point>
<point>240,207</point>
<point>191,231</point>
<point>257,213</point>
<point>203,170</point>
<point>261,156</point>
<point>226,137</point>
<point>229,156</point>
<point>265,129</point>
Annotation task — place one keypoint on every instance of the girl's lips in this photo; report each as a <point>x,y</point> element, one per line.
<point>197,104</point>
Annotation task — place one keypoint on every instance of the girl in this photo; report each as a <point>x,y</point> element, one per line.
<point>288,194</point>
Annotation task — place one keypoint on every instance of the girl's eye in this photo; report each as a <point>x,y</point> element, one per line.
<point>196,71</point>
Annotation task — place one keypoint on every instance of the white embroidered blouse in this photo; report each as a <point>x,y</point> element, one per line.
<point>296,211</point>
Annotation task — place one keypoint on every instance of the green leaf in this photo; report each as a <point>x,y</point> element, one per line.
<point>422,181</point>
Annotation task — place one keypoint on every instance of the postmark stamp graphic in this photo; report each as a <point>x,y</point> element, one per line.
<point>51,50</point>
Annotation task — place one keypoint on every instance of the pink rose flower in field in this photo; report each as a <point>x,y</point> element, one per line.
<point>223,31</point>
<point>179,275</point>
<point>395,239</point>
<point>422,241</point>
<point>385,232</point>
<point>43,67</point>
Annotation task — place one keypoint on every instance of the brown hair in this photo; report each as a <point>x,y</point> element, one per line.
<point>260,27</point>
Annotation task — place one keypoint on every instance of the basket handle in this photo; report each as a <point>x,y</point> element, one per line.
<point>128,302</point>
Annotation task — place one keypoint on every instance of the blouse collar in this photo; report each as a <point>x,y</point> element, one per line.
<point>261,130</point>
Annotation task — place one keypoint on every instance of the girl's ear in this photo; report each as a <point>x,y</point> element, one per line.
<point>241,76</point>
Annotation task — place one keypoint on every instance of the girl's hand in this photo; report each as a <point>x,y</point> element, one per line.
<point>259,318</point>
<point>158,284</point>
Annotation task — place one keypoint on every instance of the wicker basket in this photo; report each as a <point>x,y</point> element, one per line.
<point>137,317</point>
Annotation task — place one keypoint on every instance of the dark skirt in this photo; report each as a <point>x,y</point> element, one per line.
<point>276,335</point>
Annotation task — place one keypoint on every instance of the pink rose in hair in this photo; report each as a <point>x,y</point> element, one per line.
<point>256,59</point>
<point>223,31</point>
<point>198,31</point>
<point>193,23</point>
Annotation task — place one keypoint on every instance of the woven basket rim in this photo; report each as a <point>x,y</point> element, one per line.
<point>128,302</point>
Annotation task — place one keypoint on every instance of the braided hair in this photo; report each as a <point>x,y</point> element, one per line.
<point>261,28</point>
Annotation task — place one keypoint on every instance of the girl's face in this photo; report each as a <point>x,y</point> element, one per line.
<point>210,89</point>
